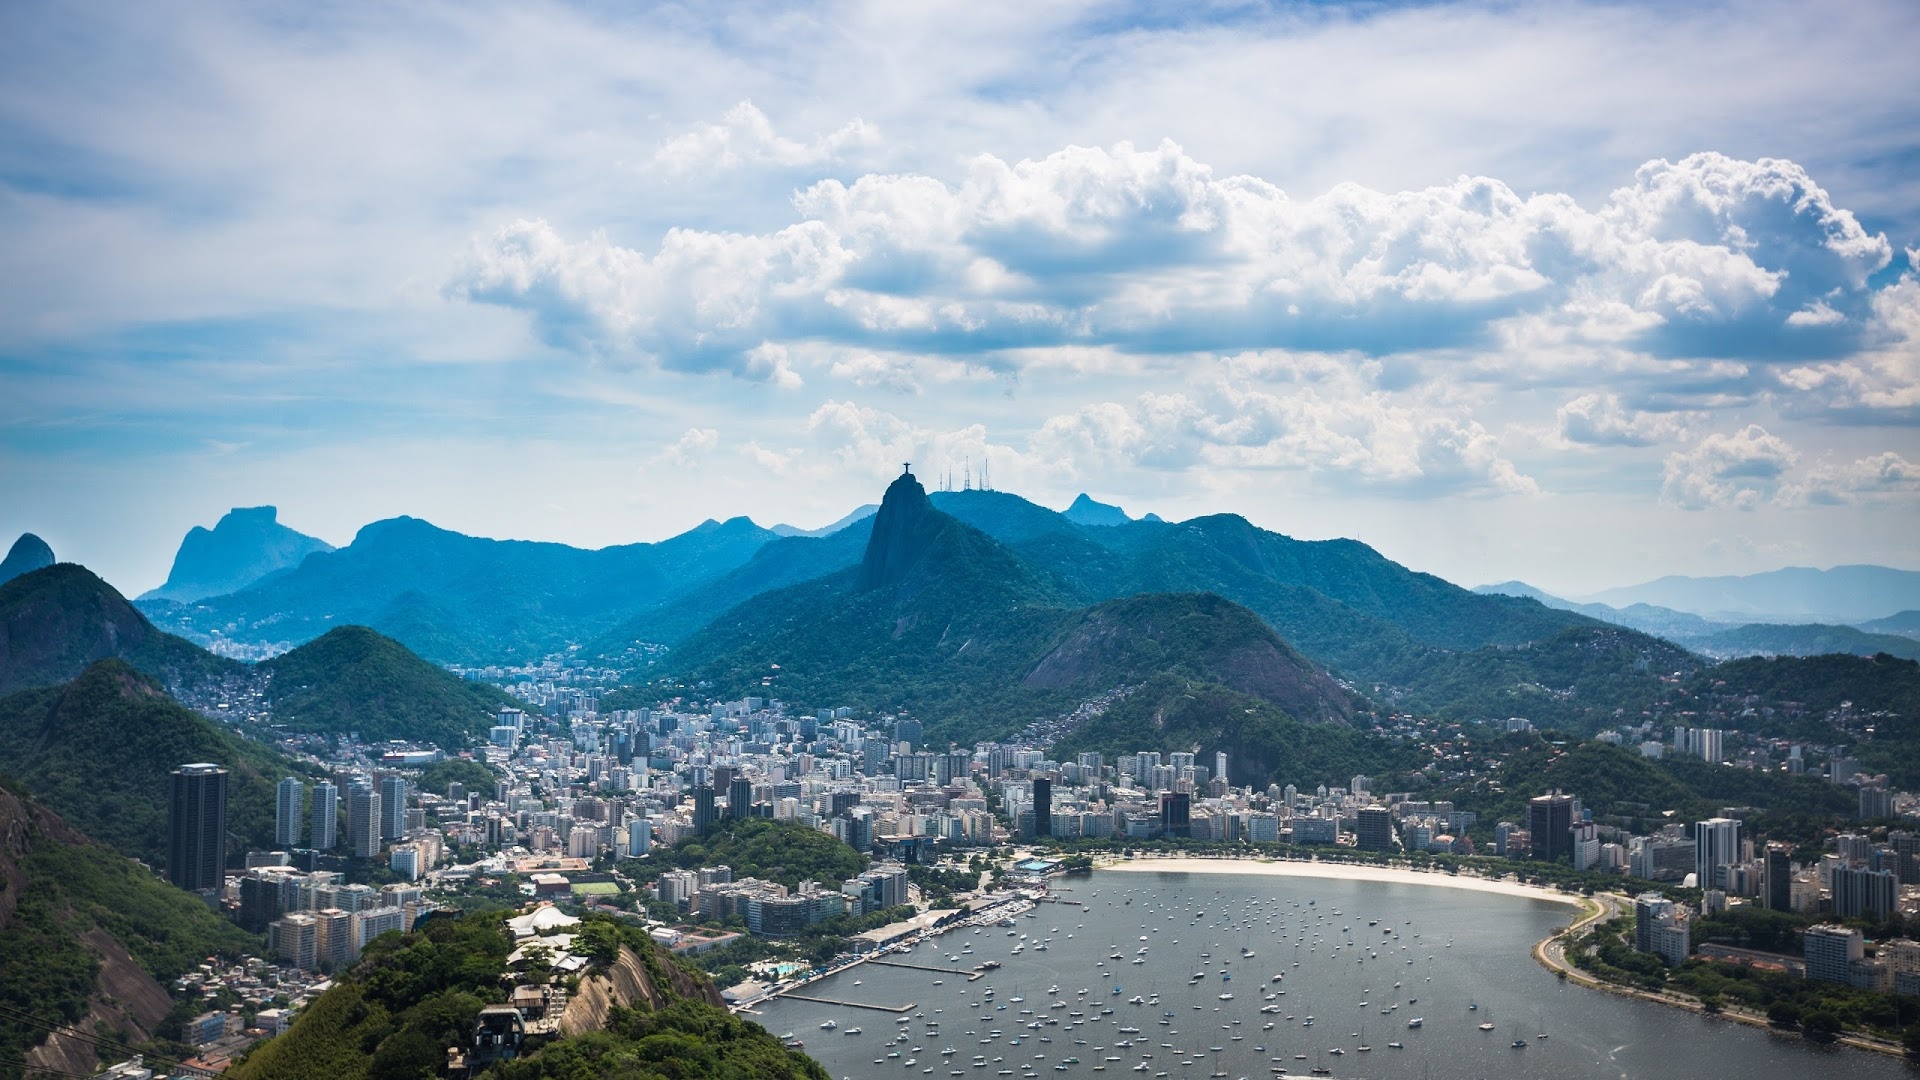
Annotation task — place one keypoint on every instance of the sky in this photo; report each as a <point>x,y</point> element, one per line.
<point>1580,294</point>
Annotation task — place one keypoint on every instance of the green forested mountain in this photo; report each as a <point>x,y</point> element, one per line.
<point>57,620</point>
<point>945,620</point>
<point>413,996</point>
<point>1617,783</point>
<point>1810,639</point>
<point>353,679</point>
<point>98,751</point>
<point>1263,742</point>
<point>76,918</point>
<point>787,561</point>
<point>1197,637</point>
<point>456,598</point>
<point>940,619</point>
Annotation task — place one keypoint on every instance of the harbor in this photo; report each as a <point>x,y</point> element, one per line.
<point>1170,976</point>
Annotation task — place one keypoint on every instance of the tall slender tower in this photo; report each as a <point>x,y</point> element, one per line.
<point>363,820</point>
<point>197,827</point>
<point>393,807</point>
<point>326,816</point>
<point>290,799</point>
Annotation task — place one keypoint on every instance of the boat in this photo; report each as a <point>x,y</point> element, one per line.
<point>828,1025</point>
<point>1416,1021</point>
<point>852,1031</point>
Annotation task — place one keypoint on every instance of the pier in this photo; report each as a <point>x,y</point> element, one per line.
<point>976,972</point>
<point>908,1007</point>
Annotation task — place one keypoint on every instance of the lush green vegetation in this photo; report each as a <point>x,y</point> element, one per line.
<point>951,640</point>
<point>414,995</point>
<point>761,847</point>
<point>1819,1009</point>
<point>1621,787</point>
<point>70,889</point>
<point>473,774</point>
<point>56,621</point>
<point>99,751</point>
<point>353,679</point>
<point>1263,742</point>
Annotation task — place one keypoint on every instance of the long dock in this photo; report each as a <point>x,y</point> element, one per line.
<point>908,1007</point>
<point>971,974</point>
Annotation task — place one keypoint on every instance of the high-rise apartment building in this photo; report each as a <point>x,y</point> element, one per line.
<point>1830,952</point>
<point>363,820</point>
<point>197,827</point>
<point>326,817</point>
<point>289,802</point>
<point>1716,845</point>
<point>393,807</point>
<point>1860,893</point>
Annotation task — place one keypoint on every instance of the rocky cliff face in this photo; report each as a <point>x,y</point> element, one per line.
<point>625,983</point>
<point>247,544</point>
<point>903,530</point>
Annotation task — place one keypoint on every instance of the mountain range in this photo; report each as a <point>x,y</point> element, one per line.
<point>1842,594</point>
<point>244,546</point>
<point>1724,640</point>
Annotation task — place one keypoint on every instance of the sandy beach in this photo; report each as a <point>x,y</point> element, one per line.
<point>1337,871</point>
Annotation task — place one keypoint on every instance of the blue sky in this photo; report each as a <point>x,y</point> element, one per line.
<point>1576,293</point>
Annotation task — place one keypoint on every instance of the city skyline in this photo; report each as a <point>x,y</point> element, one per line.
<point>1579,296</point>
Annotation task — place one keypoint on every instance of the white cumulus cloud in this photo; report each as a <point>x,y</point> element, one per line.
<point>744,136</point>
<point>1742,469</point>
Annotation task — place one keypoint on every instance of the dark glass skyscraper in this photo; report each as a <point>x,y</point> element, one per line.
<point>740,798</point>
<point>1042,806</point>
<point>703,814</point>
<point>1550,819</point>
<point>197,827</point>
<point>1175,808</point>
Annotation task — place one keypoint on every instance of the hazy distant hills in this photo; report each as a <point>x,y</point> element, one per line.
<point>1843,594</point>
<point>28,553</point>
<point>245,545</point>
<point>1724,640</point>
<point>57,620</point>
<point>458,598</point>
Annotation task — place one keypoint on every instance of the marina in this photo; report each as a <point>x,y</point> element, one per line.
<point>1170,975</point>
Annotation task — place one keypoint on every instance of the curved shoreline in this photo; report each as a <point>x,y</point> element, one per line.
<point>1549,951</point>
<point>1181,864</point>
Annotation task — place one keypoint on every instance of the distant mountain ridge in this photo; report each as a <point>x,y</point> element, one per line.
<point>244,546</point>
<point>1842,594</point>
<point>463,599</point>
<point>1724,640</point>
